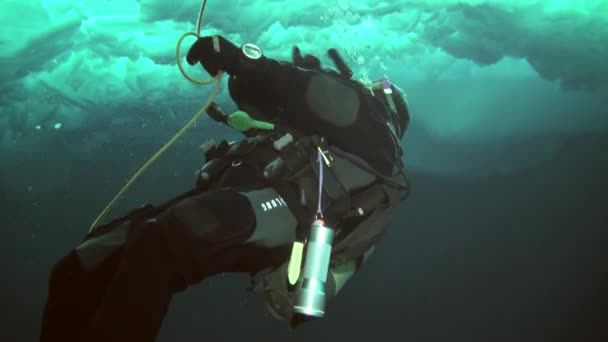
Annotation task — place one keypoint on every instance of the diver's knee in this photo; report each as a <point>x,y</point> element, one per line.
<point>210,216</point>
<point>145,235</point>
<point>192,217</point>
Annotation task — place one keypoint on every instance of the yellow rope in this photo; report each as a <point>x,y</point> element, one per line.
<point>178,135</point>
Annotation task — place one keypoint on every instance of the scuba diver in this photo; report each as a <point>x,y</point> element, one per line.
<point>298,203</point>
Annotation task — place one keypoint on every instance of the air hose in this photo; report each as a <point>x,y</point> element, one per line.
<point>217,79</point>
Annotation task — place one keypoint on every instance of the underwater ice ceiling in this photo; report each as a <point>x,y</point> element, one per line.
<point>472,69</point>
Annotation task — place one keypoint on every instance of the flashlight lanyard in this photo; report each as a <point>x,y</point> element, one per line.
<point>320,157</point>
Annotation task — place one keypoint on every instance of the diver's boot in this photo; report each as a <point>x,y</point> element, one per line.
<point>138,296</point>
<point>73,296</point>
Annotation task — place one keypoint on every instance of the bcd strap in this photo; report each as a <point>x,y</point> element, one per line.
<point>335,191</point>
<point>290,192</point>
<point>295,174</point>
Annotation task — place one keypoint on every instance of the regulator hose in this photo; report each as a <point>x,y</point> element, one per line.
<point>217,79</point>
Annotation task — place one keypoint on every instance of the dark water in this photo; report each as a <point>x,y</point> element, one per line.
<point>517,256</point>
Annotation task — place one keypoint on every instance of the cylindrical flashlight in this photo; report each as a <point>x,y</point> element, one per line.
<point>311,298</point>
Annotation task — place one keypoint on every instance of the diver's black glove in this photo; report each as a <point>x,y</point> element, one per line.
<point>227,58</point>
<point>313,63</point>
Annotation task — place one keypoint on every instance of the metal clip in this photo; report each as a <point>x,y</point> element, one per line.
<point>326,156</point>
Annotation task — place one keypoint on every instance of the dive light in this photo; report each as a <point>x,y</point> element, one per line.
<point>311,299</point>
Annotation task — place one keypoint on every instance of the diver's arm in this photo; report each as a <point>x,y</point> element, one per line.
<point>275,87</point>
<point>310,99</point>
<point>262,82</point>
<point>271,86</point>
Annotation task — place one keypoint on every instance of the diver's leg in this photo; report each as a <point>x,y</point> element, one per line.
<point>202,235</point>
<point>77,284</point>
<point>73,295</point>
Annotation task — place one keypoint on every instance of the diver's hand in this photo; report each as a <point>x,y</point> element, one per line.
<point>227,58</point>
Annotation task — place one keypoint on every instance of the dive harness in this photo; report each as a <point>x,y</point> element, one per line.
<point>312,177</point>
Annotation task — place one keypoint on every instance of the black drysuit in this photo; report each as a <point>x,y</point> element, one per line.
<point>117,285</point>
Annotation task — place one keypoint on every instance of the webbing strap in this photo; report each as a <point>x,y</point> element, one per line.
<point>290,193</point>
